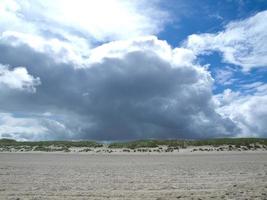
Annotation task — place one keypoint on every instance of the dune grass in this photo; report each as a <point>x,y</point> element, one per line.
<point>46,144</point>
<point>185,143</point>
<point>65,145</point>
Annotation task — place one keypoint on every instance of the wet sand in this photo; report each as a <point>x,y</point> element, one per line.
<point>207,175</point>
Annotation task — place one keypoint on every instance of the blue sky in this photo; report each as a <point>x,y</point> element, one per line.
<point>132,69</point>
<point>208,16</point>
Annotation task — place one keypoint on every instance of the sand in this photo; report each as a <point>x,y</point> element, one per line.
<point>203,175</point>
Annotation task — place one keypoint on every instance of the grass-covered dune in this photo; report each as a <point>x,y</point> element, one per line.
<point>139,143</point>
<point>7,144</point>
<point>221,144</point>
<point>185,143</point>
<point>10,142</point>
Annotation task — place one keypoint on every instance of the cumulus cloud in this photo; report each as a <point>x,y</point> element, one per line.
<point>106,77</point>
<point>100,20</point>
<point>149,90</point>
<point>248,109</point>
<point>55,27</point>
<point>18,78</point>
<point>61,51</point>
<point>117,49</point>
<point>30,128</point>
<point>19,128</point>
<point>105,20</point>
<point>242,43</point>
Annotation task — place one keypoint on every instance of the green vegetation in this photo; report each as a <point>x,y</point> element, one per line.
<point>49,149</point>
<point>136,146</point>
<point>9,142</point>
<point>229,141</point>
<point>47,146</point>
<point>184,143</point>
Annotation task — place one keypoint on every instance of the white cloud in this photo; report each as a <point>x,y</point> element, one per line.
<point>242,42</point>
<point>18,78</point>
<point>67,30</point>
<point>117,49</point>
<point>72,51</point>
<point>100,20</point>
<point>224,76</point>
<point>248,111</point>
<point>30,128</point>
<point>147,44</point>
<point>20,128</point>
<point>12,20</point>
<point>104,20</point>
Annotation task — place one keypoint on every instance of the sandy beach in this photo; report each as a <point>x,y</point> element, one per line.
<point>202,175</point>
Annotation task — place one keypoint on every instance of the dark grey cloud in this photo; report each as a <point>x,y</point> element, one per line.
<point>63,77</point>
<point>139,95</point>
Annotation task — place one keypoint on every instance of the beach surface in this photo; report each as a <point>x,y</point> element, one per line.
<point>202,175</point>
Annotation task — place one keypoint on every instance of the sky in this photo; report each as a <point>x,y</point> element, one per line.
<point>133,69</point>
